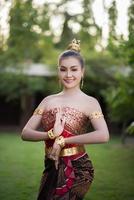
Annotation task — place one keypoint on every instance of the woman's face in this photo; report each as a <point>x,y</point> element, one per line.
<point>70,72</point>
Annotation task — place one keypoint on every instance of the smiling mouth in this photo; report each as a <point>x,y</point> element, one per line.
<point>68,80</point>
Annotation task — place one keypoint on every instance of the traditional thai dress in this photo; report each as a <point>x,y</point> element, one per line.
<point>72,179</point>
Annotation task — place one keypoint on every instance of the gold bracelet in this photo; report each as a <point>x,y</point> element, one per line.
<point>51,134</point>
<point>60,141</point>
<point>38,111</point>
<point>96,115</point>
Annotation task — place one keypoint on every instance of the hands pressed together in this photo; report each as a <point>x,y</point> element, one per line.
<point>57,131</point>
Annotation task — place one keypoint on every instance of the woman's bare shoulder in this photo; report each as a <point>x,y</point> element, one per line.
<point>46,100</point>
<point>90,99</point>
<point>92,104</point>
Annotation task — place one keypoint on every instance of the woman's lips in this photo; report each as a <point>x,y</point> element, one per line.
<point>68,80</point>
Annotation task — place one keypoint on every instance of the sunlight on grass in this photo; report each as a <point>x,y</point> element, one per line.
<point>21,166</point>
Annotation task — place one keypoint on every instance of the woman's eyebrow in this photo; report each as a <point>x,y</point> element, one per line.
<point>62,66</point>
<point>73,66</point>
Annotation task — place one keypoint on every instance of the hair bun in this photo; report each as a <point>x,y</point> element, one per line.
<point>74,45</point>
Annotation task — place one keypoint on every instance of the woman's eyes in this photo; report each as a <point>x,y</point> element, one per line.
<point>74,69</point>
<point>63,70</point>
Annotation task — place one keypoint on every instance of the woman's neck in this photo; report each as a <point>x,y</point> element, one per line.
<point>71,91</point>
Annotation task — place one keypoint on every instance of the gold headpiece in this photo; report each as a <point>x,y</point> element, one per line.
<point>74,45</point>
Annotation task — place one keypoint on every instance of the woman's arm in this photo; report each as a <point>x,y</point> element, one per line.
<point>29,132</point>
<point>100,133</point>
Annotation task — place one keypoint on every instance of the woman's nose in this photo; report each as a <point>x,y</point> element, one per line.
<point>69,73</point>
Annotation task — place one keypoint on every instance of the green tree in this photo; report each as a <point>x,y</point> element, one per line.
<point>112,40</point>
<point>23,40</point>
<point>120,98</point>
<point>89,32</point>
<point>66,31</point>
<point>130,43</point>
<point>46,47</point>
<point>28,40</point>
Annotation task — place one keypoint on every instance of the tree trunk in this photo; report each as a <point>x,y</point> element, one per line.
<point>123,133</point>
<point>27,106</point>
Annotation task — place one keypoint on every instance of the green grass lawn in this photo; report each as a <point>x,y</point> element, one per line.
<point>21,166</point>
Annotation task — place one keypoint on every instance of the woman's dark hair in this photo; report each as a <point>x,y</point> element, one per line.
<point>71,53</point>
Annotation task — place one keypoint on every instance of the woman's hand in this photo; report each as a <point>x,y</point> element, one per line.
<point>59,123</point>
<point>57,130</point>
<point>55,153</point>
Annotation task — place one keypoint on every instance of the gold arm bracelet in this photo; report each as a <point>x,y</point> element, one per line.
<point>60,141</point>
<point>38,111</point>
<point>51,134</point>
<point>96,115</point>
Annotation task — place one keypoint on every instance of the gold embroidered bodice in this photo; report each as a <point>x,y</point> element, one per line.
<point>76,121</point>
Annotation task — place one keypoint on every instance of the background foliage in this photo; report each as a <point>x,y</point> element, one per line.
<point>32,39</point>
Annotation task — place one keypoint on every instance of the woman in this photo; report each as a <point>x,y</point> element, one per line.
<point>68,170</point>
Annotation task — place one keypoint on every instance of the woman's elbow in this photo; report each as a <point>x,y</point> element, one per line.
<point>106,136</point>
<point>23,134</point>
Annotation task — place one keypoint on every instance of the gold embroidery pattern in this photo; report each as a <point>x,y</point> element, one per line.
<point>38,111</point>
<point>96,115</point>
<point>76,121</point>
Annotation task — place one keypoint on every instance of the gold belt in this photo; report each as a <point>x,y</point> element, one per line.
<point>68,151</point>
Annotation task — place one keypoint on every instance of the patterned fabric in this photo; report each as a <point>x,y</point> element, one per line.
<point>76,121</point>
<point>75,173</point>
<point>52,178</point>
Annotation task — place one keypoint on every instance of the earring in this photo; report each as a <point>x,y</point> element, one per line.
<point>82,83</point>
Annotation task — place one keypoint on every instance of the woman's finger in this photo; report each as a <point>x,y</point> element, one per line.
<point>56,163</point>
<point>63,121</point>
<point>53,152</point>
<point>57,158</point>
<point>58,115</point>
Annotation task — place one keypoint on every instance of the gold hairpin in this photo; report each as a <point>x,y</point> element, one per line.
<point>74,45</point>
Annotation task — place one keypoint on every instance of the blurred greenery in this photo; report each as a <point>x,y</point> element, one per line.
<point>130,128</point>
<point>21,166</point>
<point>32,39</point>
